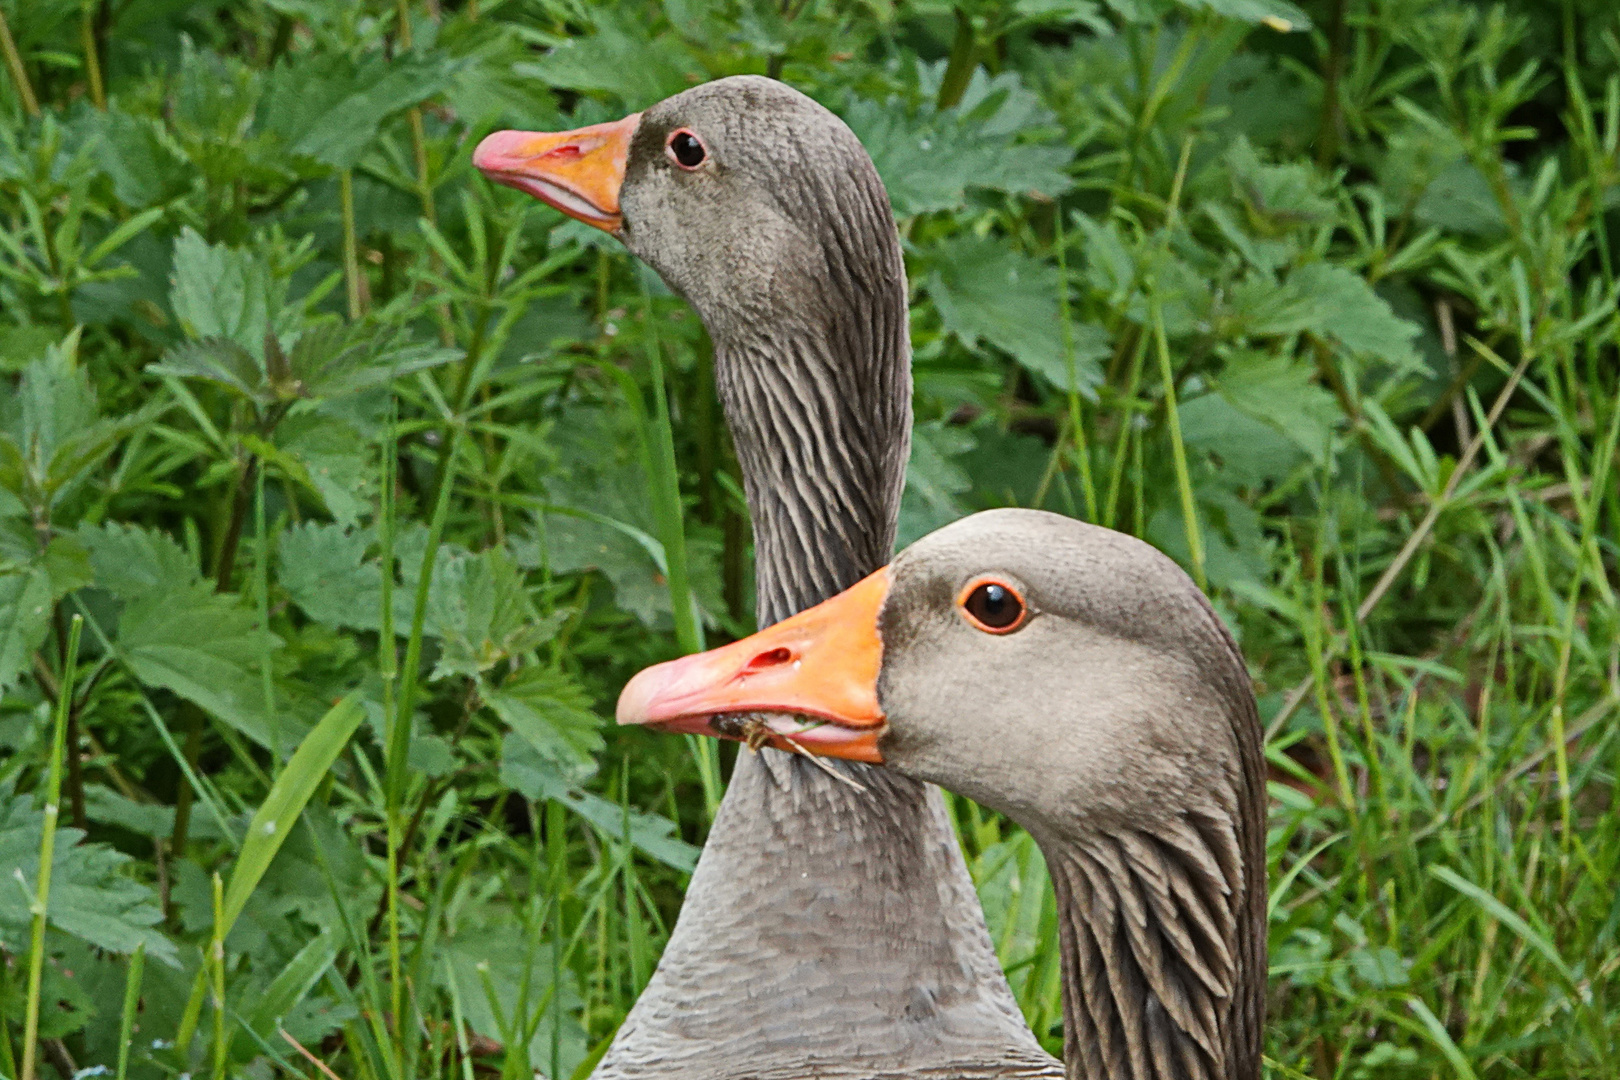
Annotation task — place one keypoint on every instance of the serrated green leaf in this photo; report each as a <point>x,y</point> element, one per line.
<point>223,292</point>
<point>989,294</point>
<point>553,715</point>
<point>1283,394</point>
<point>483,614</point>
<point>218,360</point>
<point>525,771</point>
<point>92,898</point>
<point>207,648</point>
<point>131,561</point>
<point>25,616</point>
<point>619,59</point>
<point>928,160</point>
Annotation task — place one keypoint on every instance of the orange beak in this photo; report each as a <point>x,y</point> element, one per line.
<point>807,684</point>
<point>579,172</point>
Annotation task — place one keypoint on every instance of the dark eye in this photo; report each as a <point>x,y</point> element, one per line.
<point>686,149</point>
<point>994,607</point>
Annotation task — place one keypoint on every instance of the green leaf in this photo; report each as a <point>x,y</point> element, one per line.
<point>278,813</point>
<point>502,957</point>
<point>928,160</point>
<point>553,715</point>
<point>217,360</point>
<point>1277,14</point>
<point>207,648</point>
<point>619,59</point>
<point>329,108</point>
<point>989,294</point>
<point>25,617</point>
<point>324,569</point>
<point>483,614</point>
<point>224,292</point>
<point>1348,311</point>
<point>1282,394</point>
<point>525,771</point>
<point>934,483</point>
<point>130,561</point>
<point>92,896</point>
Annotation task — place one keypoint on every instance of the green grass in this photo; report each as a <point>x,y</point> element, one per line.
<point>371,483</point>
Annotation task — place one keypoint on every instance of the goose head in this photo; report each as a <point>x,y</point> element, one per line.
<point>744,194</point>
<point>1075,679</point>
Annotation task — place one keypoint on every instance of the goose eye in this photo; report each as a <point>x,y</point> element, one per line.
<point>994,607</point>
<point>686,149</point>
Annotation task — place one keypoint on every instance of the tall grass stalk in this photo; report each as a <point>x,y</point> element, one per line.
<point>47,850</point>
<point>132,1001</point>
<point>19,73</point>
<point>658,440</point>
<point>1082,451</point>
<point>216,971</point>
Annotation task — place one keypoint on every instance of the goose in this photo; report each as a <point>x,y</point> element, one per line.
<point>1076,680</point>
<point>860,951</point>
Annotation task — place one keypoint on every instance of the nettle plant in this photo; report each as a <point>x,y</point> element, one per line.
<point>340,492</point>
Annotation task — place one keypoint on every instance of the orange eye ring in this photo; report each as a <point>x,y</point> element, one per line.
<point>992,605</point>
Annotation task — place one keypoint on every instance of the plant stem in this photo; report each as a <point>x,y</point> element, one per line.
<point>959,68</point>
<point>92,66</point>
<point>19,73</point>
<point>47,852</point>
<point>351,252</point>
<point>216,967</point>
<point>132,1000</point>
<point>1082,451</point>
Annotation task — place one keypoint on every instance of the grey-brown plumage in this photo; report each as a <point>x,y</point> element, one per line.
<point>826,932</point>
<point>1118,726</point>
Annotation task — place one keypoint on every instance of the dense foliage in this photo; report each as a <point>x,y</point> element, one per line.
<point>311,440</point>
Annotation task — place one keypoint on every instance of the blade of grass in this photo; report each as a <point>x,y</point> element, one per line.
<point>132,1000</point>
<point>19,73</point>
<point>47,852</point>
<point>282,806</point>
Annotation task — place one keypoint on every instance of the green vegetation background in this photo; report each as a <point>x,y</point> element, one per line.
<point>1320,301</point>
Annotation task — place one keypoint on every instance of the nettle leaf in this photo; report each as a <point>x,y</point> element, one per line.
<point>484,615</point>
<point>929,159</point>
<point>934,482</point>
<point>1330,302</point>
<point>207,648</point>
<point>51,432</point>
<point>128,560</point>
<point>989,294</point>
<point>1359,319</point>
<point>25,617</point>
<point>218,360</point>
<point>619,59</point>
<point>325,570</point>
<point>92,899</point>
<point>224,292</point>
<point>328,108</point>
<point>1247,452</point>
<point>331,360</point>
<point>176,632</point>
<point>552,713</point>
<point>533,776</point>
<point>334,460</point>
<point>1282,393</point>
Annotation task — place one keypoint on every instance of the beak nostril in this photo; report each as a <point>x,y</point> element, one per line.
<point>774,658</point>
